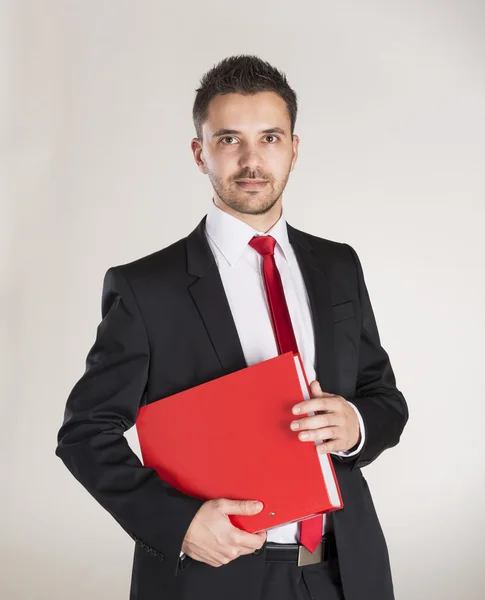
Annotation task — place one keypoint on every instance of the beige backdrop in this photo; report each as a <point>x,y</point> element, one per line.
<point>96,101</point>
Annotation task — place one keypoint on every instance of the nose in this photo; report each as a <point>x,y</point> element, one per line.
<point>250,159</point>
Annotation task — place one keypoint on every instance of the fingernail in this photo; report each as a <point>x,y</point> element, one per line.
<point>257,505</point>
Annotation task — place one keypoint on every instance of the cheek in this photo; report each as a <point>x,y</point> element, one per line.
<point>278,165</point>
<point>221,170</point>
<point>225,165</point>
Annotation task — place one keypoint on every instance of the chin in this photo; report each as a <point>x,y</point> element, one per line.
<point>255,207</point>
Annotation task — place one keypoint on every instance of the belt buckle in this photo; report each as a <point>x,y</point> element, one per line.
<point>305,557</point>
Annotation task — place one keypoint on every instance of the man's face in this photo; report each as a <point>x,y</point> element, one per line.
<point>247,138</point>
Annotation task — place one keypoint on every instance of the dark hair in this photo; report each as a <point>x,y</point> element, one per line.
<point>241,74</point>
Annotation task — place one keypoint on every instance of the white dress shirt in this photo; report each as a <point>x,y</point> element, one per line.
<point>241,271</point>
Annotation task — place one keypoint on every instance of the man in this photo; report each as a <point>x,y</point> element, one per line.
<point>241,288</point>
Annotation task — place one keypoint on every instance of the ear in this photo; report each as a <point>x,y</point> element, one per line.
<point>296,142</point>
<point>196,147</point>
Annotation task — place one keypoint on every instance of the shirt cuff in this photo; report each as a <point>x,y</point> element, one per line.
<point>362,436</point>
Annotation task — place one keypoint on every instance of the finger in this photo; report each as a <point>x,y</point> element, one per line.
<point>315,388</point>
<point>251,541</point>
<point>205,559</point>
<point>328,404</point>
<point>318,421</point>
<point>239,507</point>
<point>309,406</point>
<point>244,550</point>
<point>232,553</point>
<point>313,435</point>
<point>251,549</point>
<point>331,446</point>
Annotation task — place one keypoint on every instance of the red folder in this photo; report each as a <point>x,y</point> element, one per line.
<point>231,438</point>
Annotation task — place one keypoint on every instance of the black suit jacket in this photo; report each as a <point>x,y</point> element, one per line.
<point>166,327</point>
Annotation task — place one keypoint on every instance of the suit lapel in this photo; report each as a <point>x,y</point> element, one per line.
<point>210,298</point>
<point>318,289</point>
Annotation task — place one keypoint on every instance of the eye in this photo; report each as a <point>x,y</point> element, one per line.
<point>228,137</point>
<point>273,136</point>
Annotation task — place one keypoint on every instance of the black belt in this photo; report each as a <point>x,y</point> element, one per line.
<point>298,554</point>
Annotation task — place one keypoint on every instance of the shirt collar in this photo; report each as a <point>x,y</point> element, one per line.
<point>232,236</point>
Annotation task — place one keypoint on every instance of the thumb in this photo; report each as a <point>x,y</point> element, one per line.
<point>315,388</point>
<point>241,507</point>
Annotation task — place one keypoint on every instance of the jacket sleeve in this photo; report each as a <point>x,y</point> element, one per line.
<point>381,405</point>
<point>104,404</point>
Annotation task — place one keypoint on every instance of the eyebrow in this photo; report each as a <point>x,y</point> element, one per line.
<point>235,132</point>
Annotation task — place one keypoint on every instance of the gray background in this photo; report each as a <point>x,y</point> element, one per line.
<point>96,99</point>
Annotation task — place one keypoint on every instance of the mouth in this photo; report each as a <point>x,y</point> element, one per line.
<point>251,184</point>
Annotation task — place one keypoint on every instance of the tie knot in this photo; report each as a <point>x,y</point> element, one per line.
<point>264,244</point>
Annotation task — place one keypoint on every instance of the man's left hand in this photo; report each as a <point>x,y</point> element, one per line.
<point>334,420</point>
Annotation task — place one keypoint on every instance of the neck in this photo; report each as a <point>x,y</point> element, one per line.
<point>261,223</point>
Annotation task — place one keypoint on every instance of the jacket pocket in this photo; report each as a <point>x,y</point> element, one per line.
<point>343,311</point>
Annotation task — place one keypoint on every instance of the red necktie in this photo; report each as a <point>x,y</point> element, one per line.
<point>310,529</point>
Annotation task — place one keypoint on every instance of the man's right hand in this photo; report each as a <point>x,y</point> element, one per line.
<point>213,539</point>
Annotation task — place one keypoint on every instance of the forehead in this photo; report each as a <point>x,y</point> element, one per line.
<point>247,112</point>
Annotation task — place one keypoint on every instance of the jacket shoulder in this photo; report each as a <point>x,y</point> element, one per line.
<point>169,260</point>
<point>324,247</point>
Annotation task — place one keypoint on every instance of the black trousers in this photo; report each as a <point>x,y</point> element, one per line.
<point>287,581</point>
